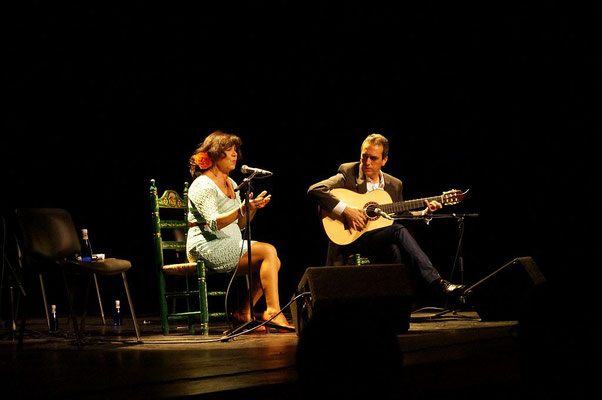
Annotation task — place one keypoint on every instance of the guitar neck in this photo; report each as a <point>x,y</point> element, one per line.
<point>399,207</point>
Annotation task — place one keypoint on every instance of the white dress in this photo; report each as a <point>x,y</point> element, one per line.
<point>220,249</point>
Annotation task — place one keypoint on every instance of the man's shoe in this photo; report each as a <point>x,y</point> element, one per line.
<point>448,288</point>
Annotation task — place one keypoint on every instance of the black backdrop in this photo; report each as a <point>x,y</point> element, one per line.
<point>500,99</point>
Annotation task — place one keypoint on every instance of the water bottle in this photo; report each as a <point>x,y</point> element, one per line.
<point>86,248</point>
<point>54,321</point>
<point>117,321</point>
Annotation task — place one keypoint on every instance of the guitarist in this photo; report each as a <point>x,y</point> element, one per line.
<point>390,244</point>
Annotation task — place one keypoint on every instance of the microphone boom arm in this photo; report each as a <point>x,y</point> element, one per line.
<point>245,181</point>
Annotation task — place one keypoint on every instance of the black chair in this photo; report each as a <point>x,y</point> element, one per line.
<point>49,242</point>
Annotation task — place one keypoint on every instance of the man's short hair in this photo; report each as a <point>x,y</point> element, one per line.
<point>378,139</point>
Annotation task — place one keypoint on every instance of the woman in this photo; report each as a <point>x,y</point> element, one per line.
<point>216,216</point>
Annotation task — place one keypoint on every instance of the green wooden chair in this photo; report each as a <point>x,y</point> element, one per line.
<point>174,271</point>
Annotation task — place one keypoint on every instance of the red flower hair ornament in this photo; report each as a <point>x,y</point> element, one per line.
<point>203,160</point>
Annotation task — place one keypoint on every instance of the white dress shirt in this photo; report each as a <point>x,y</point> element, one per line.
<point>370,186</point>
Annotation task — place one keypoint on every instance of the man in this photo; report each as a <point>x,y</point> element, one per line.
<point>390,244</point>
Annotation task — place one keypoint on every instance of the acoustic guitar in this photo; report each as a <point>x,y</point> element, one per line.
<point>378,206</point>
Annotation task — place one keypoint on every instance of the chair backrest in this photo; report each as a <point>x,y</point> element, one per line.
<point>46,234</point>
<point>177,222</point>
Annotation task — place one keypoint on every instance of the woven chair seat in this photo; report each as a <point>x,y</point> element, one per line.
<point>180,269</point>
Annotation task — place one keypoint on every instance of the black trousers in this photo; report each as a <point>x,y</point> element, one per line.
<point>393,245</point>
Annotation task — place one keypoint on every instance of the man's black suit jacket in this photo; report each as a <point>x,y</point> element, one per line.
<point>348,177</point>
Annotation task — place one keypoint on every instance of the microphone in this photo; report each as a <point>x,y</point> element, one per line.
<point>382,213</point>
<point>247,170</point>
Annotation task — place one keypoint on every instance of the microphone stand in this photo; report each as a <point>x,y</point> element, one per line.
<point>253,323</point>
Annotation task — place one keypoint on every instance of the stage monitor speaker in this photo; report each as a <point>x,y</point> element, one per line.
<point>509,292</point>
<point>355,297</point>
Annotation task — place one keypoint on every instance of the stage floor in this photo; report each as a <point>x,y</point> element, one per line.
<point>453,354</point>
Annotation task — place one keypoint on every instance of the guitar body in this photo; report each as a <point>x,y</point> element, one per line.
<point>340,233</point>
<point>336,227</point>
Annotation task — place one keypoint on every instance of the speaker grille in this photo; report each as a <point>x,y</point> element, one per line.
<point>375,295</point>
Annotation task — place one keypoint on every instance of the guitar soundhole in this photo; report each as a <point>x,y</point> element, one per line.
<point>369,209</point>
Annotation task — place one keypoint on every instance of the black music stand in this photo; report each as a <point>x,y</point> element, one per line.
<point>13,279</point>
<point>459,259</point>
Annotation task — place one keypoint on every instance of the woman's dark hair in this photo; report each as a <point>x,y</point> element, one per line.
<point>215,145</point>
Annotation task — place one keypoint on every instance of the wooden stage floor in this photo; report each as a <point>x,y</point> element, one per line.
<point>454,355</point>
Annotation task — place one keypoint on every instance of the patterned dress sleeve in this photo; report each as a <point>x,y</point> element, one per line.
<point>204,202</point>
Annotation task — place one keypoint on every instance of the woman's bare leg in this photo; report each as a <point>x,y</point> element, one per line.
<point>256,293</point>
<point>265,263</point>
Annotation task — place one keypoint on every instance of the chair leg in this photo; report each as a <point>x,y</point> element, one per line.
<point>202,282</point>
<point>127,292</point>
<point>191,319</point>
<point>163,304</point>
<point>23,319</point>
<point>72,311</point>
<point>13,324</point>
<point>85,312</point>
<point>102,311</point>
<point>45,300</point>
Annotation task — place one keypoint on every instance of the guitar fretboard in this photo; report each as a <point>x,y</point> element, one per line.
<point>396,208</point>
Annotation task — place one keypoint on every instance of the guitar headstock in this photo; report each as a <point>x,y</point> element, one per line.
<point>453,197</point>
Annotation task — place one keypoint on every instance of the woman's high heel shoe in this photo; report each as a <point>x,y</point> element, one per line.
<point>239,320</point>
<point>280,327</point>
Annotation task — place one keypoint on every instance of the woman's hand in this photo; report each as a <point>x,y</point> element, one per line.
<point>254,204</point>
<point>259,202</point>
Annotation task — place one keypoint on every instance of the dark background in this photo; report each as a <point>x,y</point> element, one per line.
<point>499,99</point>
